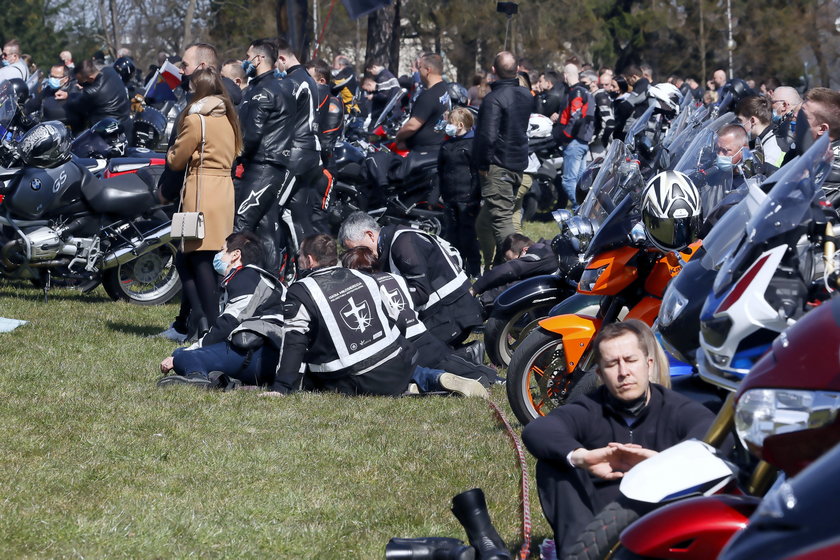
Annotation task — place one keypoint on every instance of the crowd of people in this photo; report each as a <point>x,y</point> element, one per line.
<point>392,314</point>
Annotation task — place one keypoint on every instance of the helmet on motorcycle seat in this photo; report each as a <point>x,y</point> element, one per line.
<point>112,132</point>
<point>671,211</point>
<point>19,91</point>
<point>458,94</point>
<point>149,128</point>
<point>126,68</point>
<point>668,96</point>
<point>539,126</point>
<point>45,145</point>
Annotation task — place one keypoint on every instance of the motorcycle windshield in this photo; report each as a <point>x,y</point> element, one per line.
<point>618,177</point>
<point>7,108</point>
<point>637,127</point>
<point>785,208</point>
<point>677,126</point>
<point>682,144</point>
<point>729,230</point>
<point>615,228</point>
<point>396,96</point>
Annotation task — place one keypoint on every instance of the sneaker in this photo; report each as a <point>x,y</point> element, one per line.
<point>412,390</point>
<point>462,386</point>
<point>475,352</point>
<point>172,334</point>
<point>194,379</point>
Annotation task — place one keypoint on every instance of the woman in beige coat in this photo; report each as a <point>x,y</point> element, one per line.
<point>208,189</point>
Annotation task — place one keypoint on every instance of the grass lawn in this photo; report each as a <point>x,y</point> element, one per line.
<point>99,463</point>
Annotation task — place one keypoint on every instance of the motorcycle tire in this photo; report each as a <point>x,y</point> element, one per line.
<point>502,335</point>
<point>530,392</point>
<point>600,539</point>
<point>150,279</point>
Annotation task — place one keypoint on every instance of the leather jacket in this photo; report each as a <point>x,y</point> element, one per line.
<point>501,137</point>
<point>330,118</point>
<point>304,90</point>
<point>105,97</point>
<point>267,116</point>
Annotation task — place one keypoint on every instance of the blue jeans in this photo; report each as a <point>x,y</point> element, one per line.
<point>427,379</point>
<point>574,162</point>
<point>223,357</point>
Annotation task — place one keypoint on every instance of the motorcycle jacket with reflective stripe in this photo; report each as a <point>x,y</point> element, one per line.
<point>337,325</point>
<point>304,90</point>
<point>267,116</point>
<point>432,270</point>
<point>252,301</point>
<point>399,305</point>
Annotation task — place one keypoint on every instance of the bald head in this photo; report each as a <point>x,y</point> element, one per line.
<point>504,65</point>
<point>732,138</point>
<point>571,73</point>
<point>785,100</point>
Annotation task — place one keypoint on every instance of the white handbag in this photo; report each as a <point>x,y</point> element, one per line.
<point>190,225</point>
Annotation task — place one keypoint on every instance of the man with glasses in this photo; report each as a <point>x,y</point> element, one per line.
<point>786,103</point>
<point>48,104</point>
<point>13,64</point>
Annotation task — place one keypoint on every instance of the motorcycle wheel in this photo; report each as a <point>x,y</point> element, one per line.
<point>502,335</point>
<point>532,389</point>
<point>600,539</point>
<point>150,279</point>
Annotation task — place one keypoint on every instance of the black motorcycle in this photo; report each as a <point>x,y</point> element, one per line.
<point>60,222</point>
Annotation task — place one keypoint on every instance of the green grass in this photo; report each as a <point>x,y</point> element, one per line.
<point>98,463</point>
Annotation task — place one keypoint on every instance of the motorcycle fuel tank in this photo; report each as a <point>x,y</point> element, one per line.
<point>35,192</point>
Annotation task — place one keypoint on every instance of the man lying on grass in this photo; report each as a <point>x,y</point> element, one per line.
<point>244,345</point>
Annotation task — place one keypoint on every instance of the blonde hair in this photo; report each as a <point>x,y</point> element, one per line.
<point>462,116</point>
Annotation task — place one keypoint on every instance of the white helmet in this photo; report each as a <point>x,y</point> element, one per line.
<point>539,126</point>
<point>671,211</point>
<point>668,95</point>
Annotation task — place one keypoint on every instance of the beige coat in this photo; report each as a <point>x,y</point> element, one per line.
<point>215,175</point>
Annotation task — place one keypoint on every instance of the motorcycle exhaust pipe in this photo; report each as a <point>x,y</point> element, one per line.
<point>138,245</point>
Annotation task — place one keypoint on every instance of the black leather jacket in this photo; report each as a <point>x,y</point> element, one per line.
<point>501,137</point>
<point>105,97</point>
<point>330,118</point>
<point>267,118</point>
<point>304,90</point>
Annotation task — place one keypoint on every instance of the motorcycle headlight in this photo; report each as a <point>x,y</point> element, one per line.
<point>590,277</point>
<point>673,303</point>
<point>761,413</point>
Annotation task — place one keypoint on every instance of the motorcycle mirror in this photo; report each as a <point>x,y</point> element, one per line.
<point>637,234</point>
<point>561,216</point>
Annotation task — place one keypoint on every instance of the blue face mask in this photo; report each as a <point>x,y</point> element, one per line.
<point>5,62</point>
<point>724,163</point>
<point>250,69</point>
<point>777,118</point>
<point>54,83</point>
<point>219,265</point>
<point>451,130</point>
<point>279,73</point>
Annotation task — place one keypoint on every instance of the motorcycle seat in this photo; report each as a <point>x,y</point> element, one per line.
<point>419,162</point>
<point>124,195</point>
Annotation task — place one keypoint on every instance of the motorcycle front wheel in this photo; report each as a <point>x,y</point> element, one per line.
<point>150,279</point>
<point>502,335</point>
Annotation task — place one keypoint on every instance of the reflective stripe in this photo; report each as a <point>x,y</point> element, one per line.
<point>445,290</point>
<point>346,358</point>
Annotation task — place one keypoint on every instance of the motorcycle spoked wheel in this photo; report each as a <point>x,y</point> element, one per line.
<point>537,378</point>
<point>150,279</point>
<point>502,335</point>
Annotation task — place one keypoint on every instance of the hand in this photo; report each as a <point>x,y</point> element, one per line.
<point>60,94</point>
<point>612,461</point>
<point>555,117</point>
<point>167,364</point>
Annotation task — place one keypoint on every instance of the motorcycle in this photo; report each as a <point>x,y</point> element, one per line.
<point>786,414</point>
<point>772,278</point>
<point>57,220</point>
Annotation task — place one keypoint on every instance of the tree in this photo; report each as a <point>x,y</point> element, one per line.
<point>383,37</point>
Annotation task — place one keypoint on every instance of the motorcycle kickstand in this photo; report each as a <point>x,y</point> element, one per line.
<point>47,283</point>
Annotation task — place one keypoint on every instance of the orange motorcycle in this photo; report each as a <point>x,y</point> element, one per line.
<point>630,277</point>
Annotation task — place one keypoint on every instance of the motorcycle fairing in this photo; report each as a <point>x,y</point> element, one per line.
<point>577,332</point>
<point>617,274</point>
<point>530,290</point>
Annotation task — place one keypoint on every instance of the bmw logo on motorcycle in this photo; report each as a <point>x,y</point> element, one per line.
<point>35,184</point>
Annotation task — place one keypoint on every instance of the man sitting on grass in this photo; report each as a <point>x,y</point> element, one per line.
<point>243,345</point>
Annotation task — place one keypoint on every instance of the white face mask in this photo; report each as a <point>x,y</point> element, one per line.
<point>451,130</point>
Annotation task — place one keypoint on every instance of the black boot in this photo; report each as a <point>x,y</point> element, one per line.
<point>429,548</point>
<point>471,510</point>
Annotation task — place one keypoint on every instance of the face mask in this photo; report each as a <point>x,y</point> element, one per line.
<point>185,82</point>
<point>279,73</point>
<point>250,69</point>
<point>724,163</point>
<point>451,130</point>
<point>5,62</point>
<point>777,118</point>
<point>54,83</point>
<point>219,265</point>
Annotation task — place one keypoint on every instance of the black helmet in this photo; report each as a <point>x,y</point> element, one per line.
<point>104,139</point>
<point>738,88</point>
<point>46,144</point>
<point>19,91</point>
<point>149,128</point>
<point>671,211</point>
<point>126,68</point>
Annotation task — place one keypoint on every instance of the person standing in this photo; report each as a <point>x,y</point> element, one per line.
<point>13,65</point>
<point>574,129</point>
<point>267,114</point>
<point>103,95</point>
<point>500,149</point>
<point>419,134</point>
<point>209,139</point>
